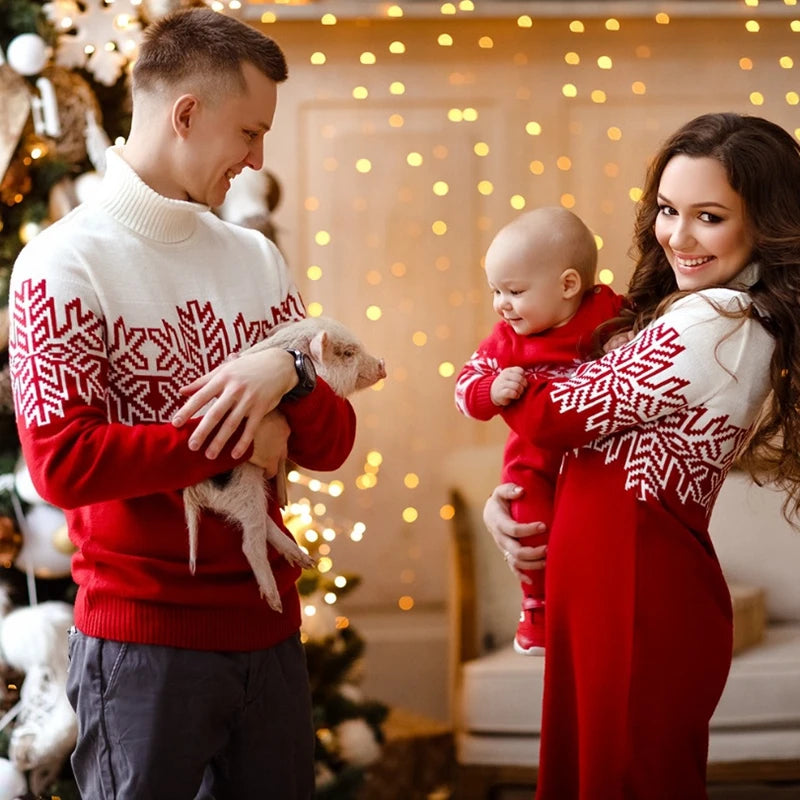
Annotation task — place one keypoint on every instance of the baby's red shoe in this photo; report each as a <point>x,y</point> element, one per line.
<point>529,640</point>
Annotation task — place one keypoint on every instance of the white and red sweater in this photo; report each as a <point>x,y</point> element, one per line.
<point>113,308</point>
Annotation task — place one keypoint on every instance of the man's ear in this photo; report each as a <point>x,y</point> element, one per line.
<point>571,283</point>
<point>183,112</point>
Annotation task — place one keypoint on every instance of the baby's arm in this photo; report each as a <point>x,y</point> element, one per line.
<point>509,385</point>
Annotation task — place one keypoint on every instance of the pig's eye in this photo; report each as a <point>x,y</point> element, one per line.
<point>349,353</point>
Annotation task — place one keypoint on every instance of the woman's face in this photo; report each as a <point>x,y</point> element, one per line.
<point>701,223</point>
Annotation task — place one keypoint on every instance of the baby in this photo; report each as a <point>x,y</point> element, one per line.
<point>541,272</point>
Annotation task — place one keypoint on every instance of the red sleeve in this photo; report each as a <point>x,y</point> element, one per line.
<point>474,381</point>
<point>323,429</point>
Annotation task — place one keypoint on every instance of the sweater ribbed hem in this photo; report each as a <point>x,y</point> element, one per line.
<point>230,629</point>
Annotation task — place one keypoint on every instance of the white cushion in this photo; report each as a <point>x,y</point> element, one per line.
<point>756,545</point>
<point>501,692</point>
<point>763,687</point>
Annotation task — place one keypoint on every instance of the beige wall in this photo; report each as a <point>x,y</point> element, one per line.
<point>383,252</point>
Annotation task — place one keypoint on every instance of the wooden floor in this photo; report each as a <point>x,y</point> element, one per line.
<point>743,792</point>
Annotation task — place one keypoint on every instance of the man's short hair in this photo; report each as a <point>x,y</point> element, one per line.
<point>205,49</point>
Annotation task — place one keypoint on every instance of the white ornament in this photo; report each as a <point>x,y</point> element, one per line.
<point>27,54</point>
<point>357,743</point>
<point>38,553</point>
<point>110,33</point>
<point>45,110</point>
<point>24,486</point>
<point>12,781</point>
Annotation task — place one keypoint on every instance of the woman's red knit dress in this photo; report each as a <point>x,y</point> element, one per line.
<point>639,627</point>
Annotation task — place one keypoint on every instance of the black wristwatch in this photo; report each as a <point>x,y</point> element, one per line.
<point>306,375</point>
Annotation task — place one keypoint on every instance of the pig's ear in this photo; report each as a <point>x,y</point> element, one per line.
<point>319,346</point>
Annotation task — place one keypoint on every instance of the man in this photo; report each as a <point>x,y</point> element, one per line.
<point>184,685</point>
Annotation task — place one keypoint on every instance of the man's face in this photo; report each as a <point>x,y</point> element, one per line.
<point>226,137</point>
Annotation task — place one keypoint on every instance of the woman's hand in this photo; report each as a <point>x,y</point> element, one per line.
<point>244,388</point>
<point>617,340</point>
<point>269,443</point>
<point>505,531</point>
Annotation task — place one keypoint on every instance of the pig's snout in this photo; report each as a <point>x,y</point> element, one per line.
<point>381,368</point>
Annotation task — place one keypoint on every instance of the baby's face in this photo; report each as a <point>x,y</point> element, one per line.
<point>526,294</point>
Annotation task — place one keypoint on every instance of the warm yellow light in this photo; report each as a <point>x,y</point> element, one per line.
<point>598,96</point>
<point>572,58</point>
<point>470,114</point>
<point>336,488</point>
<point>322,238</point>
<point>637,87</point>
<point>309,610</point>
<point>792,98</point>
<point>340,581</point>
<point>324,565</point>
<point>439,227</point>
<point>576,26</point>
<point>455,115</point>
<point>752,26</point>
<point>756,98</point>
<point>466,5</point>
<point>606,276</point>
<point>486,42</point>
<point>598,240</point>
<point>533,128</point>
<point>569,90</point>
<point>447,369</point>
<point>411,480</point>
<point>536,167</point>
<point>447,8</point>
<point>363,165</point>
<point>614,133</point>
<point>410,514</point>
<point>394,11</point>
<point>662,18</point>
<point>414,159</point>
<point>329,534</point>
<point>445,40</point>
<point>481,149</point>
<point>517,201</point>
<point>524,21</point>
<point>398,269</point>
<point>360,93</point>
<point>367,57</point>
<point>317,58</point>
<point>314,309</point>
<point>373,313</point>
<point>329,598</point>
<point>485,187</point>
<point>786,62</point>
<point>397,48</point>
<point>440,188</point>
<point>406,603</point>
<point>397,87</point>
<point>745,63</point>
<point>447,512</point>
<point>751,3</point>
<point>567,200</point>
<point>374,458</point>
<point>328,19</point>
<point>564,163</point>
<point>635,194</point>
<point>605,62</point>
<point>268,17</point>
<point>612,24</point>
<point>396,120</point>
<point>419,338</point>
<point>795,25</point>
<point>314,273</point>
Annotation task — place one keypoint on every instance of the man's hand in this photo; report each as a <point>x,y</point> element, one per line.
<point>505,532</point>
<point>248,388</point>
<point>509,385</point>
<point>269,443</point>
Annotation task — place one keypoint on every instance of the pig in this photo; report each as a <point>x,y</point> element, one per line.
<point>341,360</point>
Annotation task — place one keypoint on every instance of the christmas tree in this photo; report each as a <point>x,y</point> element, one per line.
<point>65,97</point>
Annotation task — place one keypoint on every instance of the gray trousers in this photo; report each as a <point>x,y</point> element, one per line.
<point>161,723</point>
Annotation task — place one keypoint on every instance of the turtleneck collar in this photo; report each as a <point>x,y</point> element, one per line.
<point>125,196</point>
<point>745,279</point>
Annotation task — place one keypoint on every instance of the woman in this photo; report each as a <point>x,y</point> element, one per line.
<point>639,618</point>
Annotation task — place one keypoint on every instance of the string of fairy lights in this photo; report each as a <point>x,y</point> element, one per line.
<point>309,518</point>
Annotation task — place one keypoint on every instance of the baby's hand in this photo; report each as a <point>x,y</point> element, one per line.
<point>508,386</point>
<point>617,340</point>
